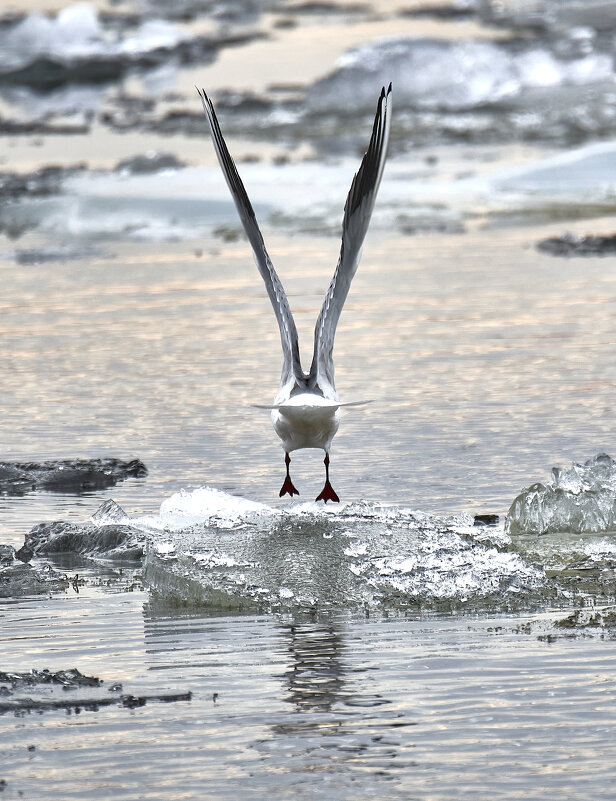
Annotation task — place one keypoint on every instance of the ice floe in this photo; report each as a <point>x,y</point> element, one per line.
<point>208,547</point>
<point>18,578</point>
<point>452,75</point>
<point>77,35</point>
<point>579,499</point>
<point>67,475</point>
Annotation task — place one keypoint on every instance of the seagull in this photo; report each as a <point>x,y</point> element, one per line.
<point>306,410</point>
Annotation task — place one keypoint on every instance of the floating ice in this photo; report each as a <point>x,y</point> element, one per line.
<point>77,33</point>
<point>453,75</point>
<point>18,579</point>
<point>551,14</point>
<point>95,540</point>
<point>362,555</point>
<point>204,505</point>
<point>67,475</point>
<point>109,512</point>
<point>208,547</point>
<point>579,499</point>
<point>76,37</point>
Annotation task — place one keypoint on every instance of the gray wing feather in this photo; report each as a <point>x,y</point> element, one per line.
<point>357,213</point>
<point>291,369</point>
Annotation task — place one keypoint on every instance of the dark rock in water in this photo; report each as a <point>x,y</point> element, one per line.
<point>453,11</point>
<point>69,475</point>
<point>149,162</point>
<point>67,678</point>
<point>574,245</point>
<point>40,183</point>
<point>111,541</point>
<point>19,579</point>
<point>60,254</point>
<point>13,685</point>
<point>485,520</point>
<point>10,127</point>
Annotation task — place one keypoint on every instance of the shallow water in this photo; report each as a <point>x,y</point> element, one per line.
<point>418,707</point>
<point>135,325</point>
<point>485,371</point>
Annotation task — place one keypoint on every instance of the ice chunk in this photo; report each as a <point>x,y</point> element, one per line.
<point>244,555</point>
<point>18,579</point>
<point>453,75</point>
<point>208,547</point>
<point>579,499</point>
<point>107,541</point>
<point>66,475</point>
<point>109,512</point>
<point>207,506</point>
<point>428,73</point>
<point>77,40</point>
<point>550,14</point>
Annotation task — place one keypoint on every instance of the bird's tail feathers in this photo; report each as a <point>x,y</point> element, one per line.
<point>330,405</point>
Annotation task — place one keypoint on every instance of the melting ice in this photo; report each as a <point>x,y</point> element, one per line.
<point>579,499</point>
<point>457,75</point>
<point>209,547</point>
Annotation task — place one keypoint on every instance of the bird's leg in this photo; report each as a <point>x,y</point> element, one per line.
<point>327,493</point>
<point>287,487</point>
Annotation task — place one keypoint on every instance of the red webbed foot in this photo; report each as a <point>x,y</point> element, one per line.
<point>328,494</point>
<point>288,488</point>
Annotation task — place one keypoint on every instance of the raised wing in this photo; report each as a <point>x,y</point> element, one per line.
<point>357,213</point>
<point>291,368</point>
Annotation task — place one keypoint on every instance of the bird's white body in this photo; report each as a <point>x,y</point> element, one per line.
<point>306,421</point>
<point>306,412</point>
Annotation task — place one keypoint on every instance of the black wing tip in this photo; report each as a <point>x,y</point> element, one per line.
<point>208,106</point>
<point>385,92</point>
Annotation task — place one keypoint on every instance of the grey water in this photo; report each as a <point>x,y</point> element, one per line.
<point>393,650</point>
<point>429,708</point>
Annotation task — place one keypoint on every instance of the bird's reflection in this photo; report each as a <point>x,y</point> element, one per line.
<point>316,676</point>
<point>332,719</point>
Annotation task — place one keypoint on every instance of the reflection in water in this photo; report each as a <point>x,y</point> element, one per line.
<point>316,676</point>
<point>331,729</point>
<point>287,693</point>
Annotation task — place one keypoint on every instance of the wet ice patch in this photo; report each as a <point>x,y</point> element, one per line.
<point>361,556</point>
<point>208,547</point>
<point>579,499</point>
